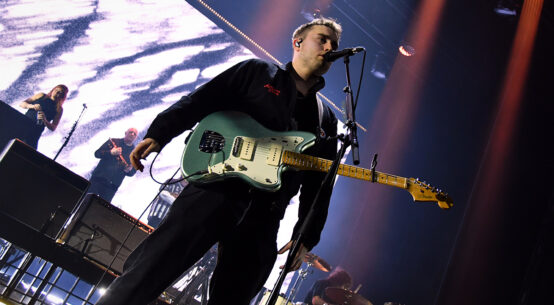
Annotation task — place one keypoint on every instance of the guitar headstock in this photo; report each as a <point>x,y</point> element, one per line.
<point>423,192</point>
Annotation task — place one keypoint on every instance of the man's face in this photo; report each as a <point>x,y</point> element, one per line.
<point>318,40</point>
<point>130,135</point>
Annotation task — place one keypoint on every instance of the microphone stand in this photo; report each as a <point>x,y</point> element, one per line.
<point>71,132</point>
<point>350,114</point>
<point>326,184</point>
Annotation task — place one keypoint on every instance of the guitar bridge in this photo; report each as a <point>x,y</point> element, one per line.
<point>211,142</point>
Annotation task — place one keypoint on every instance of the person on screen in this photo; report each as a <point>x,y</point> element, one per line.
<point>114,165</point>
<point>45,110</point>
<point>243,220</point>
<point>167,196</point>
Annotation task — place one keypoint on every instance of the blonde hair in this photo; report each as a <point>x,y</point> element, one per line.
<point>328,22</point>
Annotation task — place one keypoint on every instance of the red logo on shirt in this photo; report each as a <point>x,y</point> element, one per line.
<point>270,89</point>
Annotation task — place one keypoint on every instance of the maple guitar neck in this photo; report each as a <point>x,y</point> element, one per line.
<point>306,162</point>
<point>420,191</point>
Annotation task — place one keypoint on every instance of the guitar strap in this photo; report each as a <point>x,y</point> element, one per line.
<point>320,110</point>
<point>321,135</point>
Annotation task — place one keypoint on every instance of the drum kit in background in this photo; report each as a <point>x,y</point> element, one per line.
<point>337,296</point>
<point>345,296</point>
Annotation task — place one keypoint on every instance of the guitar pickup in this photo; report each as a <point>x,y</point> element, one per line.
<point>237,145</point>
<point>274,155</point>
<point>244,147</point>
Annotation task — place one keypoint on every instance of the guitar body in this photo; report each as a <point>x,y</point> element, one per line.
<point>231,144</point>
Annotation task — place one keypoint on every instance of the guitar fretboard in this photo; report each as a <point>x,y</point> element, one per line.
<point>306,162</point>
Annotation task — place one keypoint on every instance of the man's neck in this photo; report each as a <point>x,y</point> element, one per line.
<point>304,79</point>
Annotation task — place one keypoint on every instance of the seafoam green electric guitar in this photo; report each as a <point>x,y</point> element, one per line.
<point>231,144</point>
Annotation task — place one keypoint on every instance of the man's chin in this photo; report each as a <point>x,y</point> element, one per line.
<point>322,70</point>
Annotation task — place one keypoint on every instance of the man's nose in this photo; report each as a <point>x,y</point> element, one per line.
<point>328,46</point>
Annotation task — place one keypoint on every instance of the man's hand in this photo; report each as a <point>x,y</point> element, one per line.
<point>143,149</point>
<point>127,168</point>
<point>116,151</point>
<point>298,259</point>
<point>36,107</point>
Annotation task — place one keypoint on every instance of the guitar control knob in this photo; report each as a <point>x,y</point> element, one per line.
<point>242,167</point>
<point>228,167</point>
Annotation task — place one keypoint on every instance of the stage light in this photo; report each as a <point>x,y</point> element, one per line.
<point>311,14</point>
<point>380,69</point>
<point>406,49</point>
<point>506,7</point>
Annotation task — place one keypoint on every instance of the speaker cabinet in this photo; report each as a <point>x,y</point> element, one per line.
<point>13,124</point>
<point>33,187</point>
<point>98,229</point>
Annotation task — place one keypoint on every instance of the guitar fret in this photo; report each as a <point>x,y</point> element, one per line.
<point>367,174</point>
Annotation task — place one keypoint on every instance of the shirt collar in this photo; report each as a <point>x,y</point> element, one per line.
<point>316,87</point>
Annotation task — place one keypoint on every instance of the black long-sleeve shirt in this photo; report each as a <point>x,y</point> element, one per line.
<point>268,94</point>
<point>111,167</point>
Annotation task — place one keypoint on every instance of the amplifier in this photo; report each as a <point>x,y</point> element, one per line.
<point>37,191</point>
<point>98,229</point>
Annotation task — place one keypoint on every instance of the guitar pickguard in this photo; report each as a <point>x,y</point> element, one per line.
<point>230,144</point>
<point>256,158</point>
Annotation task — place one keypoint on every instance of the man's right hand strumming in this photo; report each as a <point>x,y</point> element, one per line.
<point>143,149</point>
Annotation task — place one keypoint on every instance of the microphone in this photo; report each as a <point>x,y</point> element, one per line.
<point>85,105</point>
<point>39,121</point>
<point>334,55</point>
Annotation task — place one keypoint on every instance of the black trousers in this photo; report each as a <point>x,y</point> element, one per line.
<point>245,229</point>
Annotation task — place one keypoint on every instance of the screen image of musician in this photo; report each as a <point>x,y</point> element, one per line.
<point>114,165</point>
<point>171,190</point>
<point>45,110</point>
